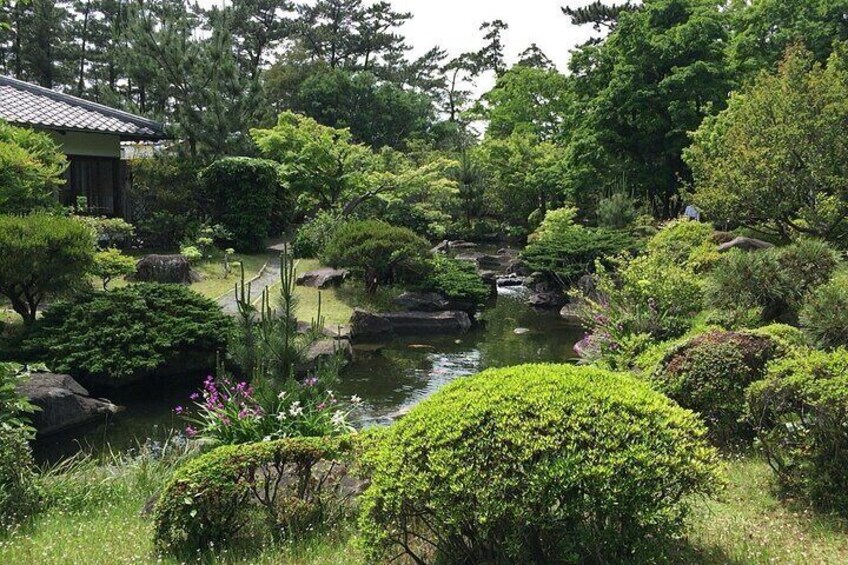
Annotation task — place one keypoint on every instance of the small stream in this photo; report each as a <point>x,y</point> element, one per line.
<point>389,377</point>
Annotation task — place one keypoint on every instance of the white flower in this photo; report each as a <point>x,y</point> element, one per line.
<point>330,393</point>
<point>295,409</point>
<point>338,419</point>
<point>266,438</point>
<point>282,395</point>
<point>355,400</point>
<point>281,416</point>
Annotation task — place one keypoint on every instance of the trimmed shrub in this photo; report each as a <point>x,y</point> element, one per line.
<point>110,264</point>
<point>800,414</point>
<point>710,373</point>
<point>129,334</point>
<point>376,251</point>
<point>457,280</point>
<point>245,196</point>
<point>769,285</point>
<point>685,243</point>
<point>565,251</point>
<point>824,315</point>
<point>31,168</point>
<point>535,463</point>
<point>280,489</point>
<point>42,255</point>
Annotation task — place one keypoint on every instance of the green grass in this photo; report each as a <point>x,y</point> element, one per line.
<point>95,518</point>
<point>215,282</point>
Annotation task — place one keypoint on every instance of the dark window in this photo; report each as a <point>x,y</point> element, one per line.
<point>95,178</point>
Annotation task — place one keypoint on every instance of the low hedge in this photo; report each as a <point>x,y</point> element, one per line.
<point>800,413</point>
<point>130,334</point>
<point>709,374</point>
<point>534,463</point>
<point>279,488</point>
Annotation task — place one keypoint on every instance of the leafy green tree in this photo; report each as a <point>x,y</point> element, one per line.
<point>42,255</point>
<point>777,158</point>
<point>321,164</point>
<point>524,178</point>
<point>528,99</point>
<point>110,264</point>
<point>763,30</point>
<point>644,89</point>
<point>31,169</point>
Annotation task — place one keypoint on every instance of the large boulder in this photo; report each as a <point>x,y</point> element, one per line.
<point>547,300</point>
<point>485,261</point>
<point>323,278</point>
<point>63,403</point>
<point>745,244</point>
<point>432,302</point>
<point>173,269</point>
<point>571,314</point>
<point>366,325</point>
<point>323,351</point>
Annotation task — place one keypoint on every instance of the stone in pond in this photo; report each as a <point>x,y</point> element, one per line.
<point>368,325</point>
<point>63,403</point>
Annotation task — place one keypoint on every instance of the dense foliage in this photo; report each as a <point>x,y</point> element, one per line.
<point>769,285</point>
<point>799,412</point>
<point>110,264</point>
<point>132,333</point>
<point>239,491</point>
<point>824,315</point>
<point>18,493</point>
<point>775,159</point>
<point>565,250</point>
<point>456,280</point>
<point>534,463</point>
<point>246,197</point>
<point>31,169</point>
<point>42,255</point>
<point>378,252</point>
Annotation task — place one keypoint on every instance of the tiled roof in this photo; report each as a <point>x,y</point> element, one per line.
<point>23,103</point>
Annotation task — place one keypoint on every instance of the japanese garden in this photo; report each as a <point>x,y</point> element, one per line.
<point>290,282</point>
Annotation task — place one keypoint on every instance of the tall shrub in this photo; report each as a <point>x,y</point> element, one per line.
<point>245,196</point>
<point>41,255</point>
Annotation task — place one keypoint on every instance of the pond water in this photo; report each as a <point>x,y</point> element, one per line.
<point>389,377</point>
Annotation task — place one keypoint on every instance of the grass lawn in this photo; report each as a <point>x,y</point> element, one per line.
<point>99,522</point>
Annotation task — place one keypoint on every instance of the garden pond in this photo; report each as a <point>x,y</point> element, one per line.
<point>389,377</point>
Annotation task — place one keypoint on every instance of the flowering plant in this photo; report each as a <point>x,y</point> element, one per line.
<point>228,412</point>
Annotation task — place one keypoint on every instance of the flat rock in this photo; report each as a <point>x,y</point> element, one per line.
<point>432,302</point>
<point>570,313</point>
<point>521,331</point>
<point>745,244</point>
<point>366,325</point>
<point>323,278</point>
<point>510,281</point>
<point>64,403</point>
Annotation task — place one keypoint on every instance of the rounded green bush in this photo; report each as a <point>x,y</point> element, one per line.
<point>129,334</point>
<point>379,252</point>
<point>710,373</point>
<point>800,414</point>
<point>534,463</point>
<point>246,197</point>
<point>282,487</point>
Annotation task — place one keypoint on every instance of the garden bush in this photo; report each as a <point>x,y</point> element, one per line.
<point>565,251</point>
<point>279,489</point>
<point>710,373</point>
<point>800,414</point>
<point>110,264</point>
<point>824,314</point>
<point>686,243</point>
<point>18,493</point>
<point>617,212</point>
<point>457,280</point>
<point>312,237</point>
<point>129,334</point>
<point>31,169</point>
<point>376,251</point>
<point>535,463</point>
<point>770,285</point>
<point>245,196</point>
<point>42,255</point>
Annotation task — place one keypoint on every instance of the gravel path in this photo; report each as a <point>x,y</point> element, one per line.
<point>270,275</point>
